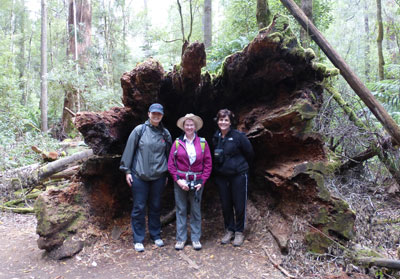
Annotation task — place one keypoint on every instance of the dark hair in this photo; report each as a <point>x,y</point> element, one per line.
<point>223,113</point>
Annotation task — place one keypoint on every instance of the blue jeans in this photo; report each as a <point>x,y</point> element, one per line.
<point>233,193</point>
<point>146,193</point>
<point>181,199</point>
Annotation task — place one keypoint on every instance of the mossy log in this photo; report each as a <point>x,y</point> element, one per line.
<point>22,210</point>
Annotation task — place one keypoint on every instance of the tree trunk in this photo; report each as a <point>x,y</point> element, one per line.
<point>307,7</point>
<point>379,40</point>
<point>21,62</point>
<point>43,69</point>
<point>181,17</point>
<point>207,23</point>
<point>263,14</point>
<point>355,83</point>
<point>79,25</point>
<point>367,46</point>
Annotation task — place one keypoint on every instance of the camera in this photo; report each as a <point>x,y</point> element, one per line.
<point>191,185</point>
<point>219,155</point>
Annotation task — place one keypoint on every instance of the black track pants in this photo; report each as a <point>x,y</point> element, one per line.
<point>233,194</point>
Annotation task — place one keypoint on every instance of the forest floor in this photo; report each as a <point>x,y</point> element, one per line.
<point>109,258</point>
<point>114,257</point>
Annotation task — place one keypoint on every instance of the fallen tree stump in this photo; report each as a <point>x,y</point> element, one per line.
<point>275,89</point>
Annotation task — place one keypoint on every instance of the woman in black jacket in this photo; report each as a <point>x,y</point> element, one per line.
<point>232,154</point>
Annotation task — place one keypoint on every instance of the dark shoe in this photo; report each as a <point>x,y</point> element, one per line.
<point>239,239</point>
<point>228,236</point>
<point>196,245</point>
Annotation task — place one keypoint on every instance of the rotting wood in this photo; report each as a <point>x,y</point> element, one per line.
<point>355,83</point>
<point>276,265</point>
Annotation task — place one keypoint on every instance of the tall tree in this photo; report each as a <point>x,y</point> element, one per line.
<point>207,23</point>
<point>43,69</point>
<point>379,40</point>
<point>263,14</point>
<point>367,46</point>
<point>307,7</point>
<point>80,28</point>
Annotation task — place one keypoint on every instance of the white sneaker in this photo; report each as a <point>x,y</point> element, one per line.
<point>196,245</point>
<point>180,245</point>
<point>139,247</point>
<point>159,242</point>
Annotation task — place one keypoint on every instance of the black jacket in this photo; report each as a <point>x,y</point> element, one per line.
<point>237,153</point>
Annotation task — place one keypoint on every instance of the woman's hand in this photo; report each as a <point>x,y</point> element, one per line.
<point>129,179</point>
<point>182,183</point>
<point>198,186</point>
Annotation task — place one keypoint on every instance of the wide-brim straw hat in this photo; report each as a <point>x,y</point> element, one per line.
<point>198,122</point>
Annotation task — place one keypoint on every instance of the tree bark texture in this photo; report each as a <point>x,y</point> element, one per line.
<point>355,83</point>
<point>83,33</point>
<point>273,86</point>
<point>263,14</point>
<point>379,40</point>
<point>207,23</point>
<point>307,8</point>
<point>79,28</point>
<point>367,46</point>
<point>43,69</point>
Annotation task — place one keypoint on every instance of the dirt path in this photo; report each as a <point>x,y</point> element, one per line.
<point>109,258</point>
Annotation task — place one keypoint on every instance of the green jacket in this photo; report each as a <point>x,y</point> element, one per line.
<point>150,160</point>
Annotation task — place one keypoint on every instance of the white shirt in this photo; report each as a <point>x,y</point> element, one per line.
<point>191,151</point>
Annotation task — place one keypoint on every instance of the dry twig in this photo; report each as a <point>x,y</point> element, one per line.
<point>276,265</point>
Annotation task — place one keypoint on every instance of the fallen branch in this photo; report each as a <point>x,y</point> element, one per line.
<point>189,261</point>
<point>169,217</point>
<point>61,164</point>
<point>18,201</point>
<point>379,262</point>
<point>23,210</point>
<point>276,265</point>
<point>352,79</point>
<point>67,173</point>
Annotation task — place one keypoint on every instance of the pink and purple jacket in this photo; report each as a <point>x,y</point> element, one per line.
<point>203,163</point>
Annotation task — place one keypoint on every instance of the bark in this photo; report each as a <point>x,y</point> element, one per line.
<point>367,46</point>
<point>207,23</point>
<point>379,262</point>
<point>355,83</point>
<point>82,29</point>
<point>79,26</point>
<point>358,159</point>
<point>263,14</point>
<point>379,40</point>
<point>181,17</point>
<point>43,69</point>
<point>22,62</point>
<point>307,8</point>
<point>61,164</point>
